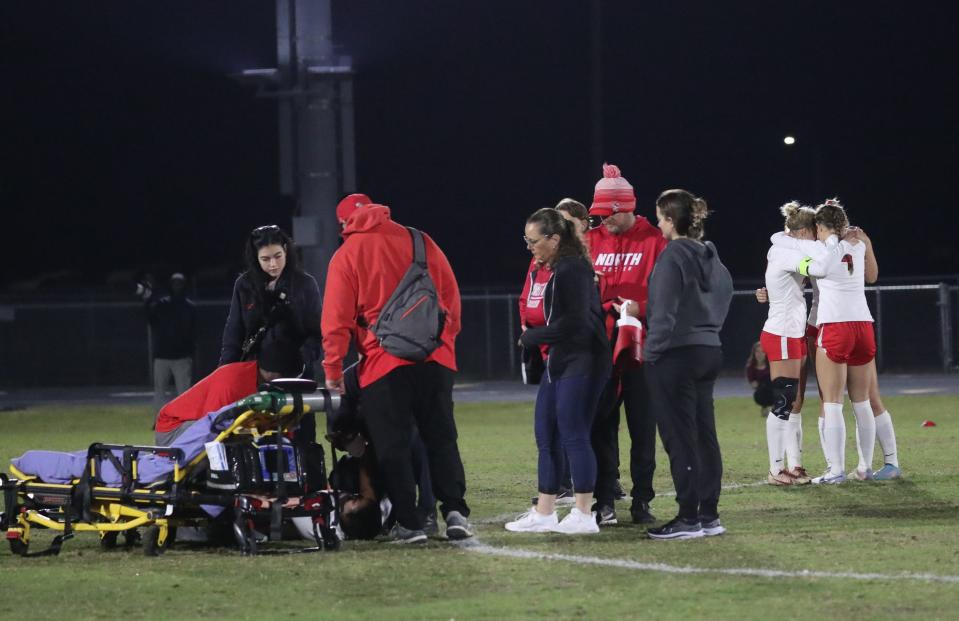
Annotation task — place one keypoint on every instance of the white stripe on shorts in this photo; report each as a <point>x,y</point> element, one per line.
<point>783,348</point>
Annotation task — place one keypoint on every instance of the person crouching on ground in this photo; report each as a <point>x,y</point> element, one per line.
<point>577,367</point>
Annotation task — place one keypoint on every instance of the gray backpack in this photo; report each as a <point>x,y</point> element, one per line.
<point>411,322</point>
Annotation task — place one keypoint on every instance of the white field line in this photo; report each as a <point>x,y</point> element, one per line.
<point>505,517</point>
<point>482,548</point>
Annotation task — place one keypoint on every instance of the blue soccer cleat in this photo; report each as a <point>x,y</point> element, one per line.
<point>887,473</point>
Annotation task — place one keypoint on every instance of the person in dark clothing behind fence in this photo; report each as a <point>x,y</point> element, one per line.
<point>689,295</point>
<point>173,337</point>
<point>275,305</point>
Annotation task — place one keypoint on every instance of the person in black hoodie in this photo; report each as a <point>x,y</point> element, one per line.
<point>577,368</point>
<point>689,295</point>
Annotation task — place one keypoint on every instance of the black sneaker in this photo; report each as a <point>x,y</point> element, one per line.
<point>677,528</point>
<point>640,513</point>
<point>430,525</point>
<point>457,526</point>
<point>712,527</point>
<point>618,492</point>
<point>605,515</point>
<point>564,496</point>
<point>401,534</point>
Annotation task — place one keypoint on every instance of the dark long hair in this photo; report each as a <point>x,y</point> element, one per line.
<point>267,236</point>
<point>550,222</point>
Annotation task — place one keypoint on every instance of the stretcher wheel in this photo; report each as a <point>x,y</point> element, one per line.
<point>19,546</point>
<point>151,541</point>
<point>108,540</point>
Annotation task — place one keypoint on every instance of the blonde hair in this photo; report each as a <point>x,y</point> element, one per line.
<point>798,217</point>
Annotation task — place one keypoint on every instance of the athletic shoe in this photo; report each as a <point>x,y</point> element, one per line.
<point>639,511</point>
<point>780,478</point>
<point>565,497</point>
<point>859,475</point>
<point>712,527</point>
<point>533,522</point>
<point>800,476</point>
<point>605,515</point>
<point>400,534</point>
<point>887,473</point>
<point>829,479</point>
<point>577,523</point>
<point>618,492</point>
<point>430,525</point>
<point>677,528</point>
<point>457,526</point>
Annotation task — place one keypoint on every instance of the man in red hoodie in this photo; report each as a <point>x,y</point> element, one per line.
<point>624,249</point>
<point>395,392</point>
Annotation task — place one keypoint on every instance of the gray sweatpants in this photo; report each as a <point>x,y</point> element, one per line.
<point>179,369</point>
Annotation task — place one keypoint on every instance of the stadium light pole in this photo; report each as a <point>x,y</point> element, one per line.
<point>313,88</point>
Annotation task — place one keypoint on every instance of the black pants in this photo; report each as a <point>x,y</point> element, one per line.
<point>681,388</point>
<point>641,422</point>
<point>420,393</point>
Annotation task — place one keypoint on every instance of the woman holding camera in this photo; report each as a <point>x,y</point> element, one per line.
<point>276,306</point>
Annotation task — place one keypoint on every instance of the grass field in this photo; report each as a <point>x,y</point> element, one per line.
<point>864,544</point>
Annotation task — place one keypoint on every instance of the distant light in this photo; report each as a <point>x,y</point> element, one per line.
<point>789,140</point>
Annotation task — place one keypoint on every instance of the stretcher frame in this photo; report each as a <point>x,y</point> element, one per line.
<point>86,505</point>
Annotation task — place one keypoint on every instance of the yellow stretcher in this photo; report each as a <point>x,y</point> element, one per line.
<point>255,480</point>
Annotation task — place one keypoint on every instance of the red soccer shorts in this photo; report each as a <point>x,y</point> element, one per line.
<point>848,342</point>
<point>778,348</point>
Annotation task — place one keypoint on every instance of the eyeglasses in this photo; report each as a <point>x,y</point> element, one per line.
<point>532,242</point>
<point>595,221</point>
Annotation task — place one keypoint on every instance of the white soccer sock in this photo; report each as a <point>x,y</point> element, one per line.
<point>887,439</point>
<point>834,435</point>
<point>865,434</point>
<point>794,439</point>
<point>822,441</point>
<point>775,435</point>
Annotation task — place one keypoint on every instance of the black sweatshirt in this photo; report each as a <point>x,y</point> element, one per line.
<point>689,295</point>
<point>574,327</point>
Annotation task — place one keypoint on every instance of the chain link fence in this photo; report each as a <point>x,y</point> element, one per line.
<point>48,344</point>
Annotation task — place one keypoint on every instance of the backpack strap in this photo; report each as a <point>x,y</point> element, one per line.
<point>419,247</point>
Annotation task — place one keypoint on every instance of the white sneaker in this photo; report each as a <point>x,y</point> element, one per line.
<point>533,522</point>
<point>577,523</point>
<point>828,478</point>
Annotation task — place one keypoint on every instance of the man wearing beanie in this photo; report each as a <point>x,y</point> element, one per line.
<point>349,204</point>
<point>396,393</point>
<point>624,249</point>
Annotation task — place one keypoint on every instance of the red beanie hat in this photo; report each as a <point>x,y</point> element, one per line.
<point>349,204</point>
<point>613,194</point>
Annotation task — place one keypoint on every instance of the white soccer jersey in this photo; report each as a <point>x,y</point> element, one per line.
<point>842,286</point>
<point>787,305</point>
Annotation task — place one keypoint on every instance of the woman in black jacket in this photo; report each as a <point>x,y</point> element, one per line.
<point>275,305</point>
<point>577,368</point>
<point>689,295</point>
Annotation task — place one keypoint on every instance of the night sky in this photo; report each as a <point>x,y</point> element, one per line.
<point>126,145</point>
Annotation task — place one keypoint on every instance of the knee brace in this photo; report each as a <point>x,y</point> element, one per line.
<point>784,391</point>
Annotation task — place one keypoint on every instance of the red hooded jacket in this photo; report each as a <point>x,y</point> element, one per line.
<point>625,262</point>
<point>362,275</point>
